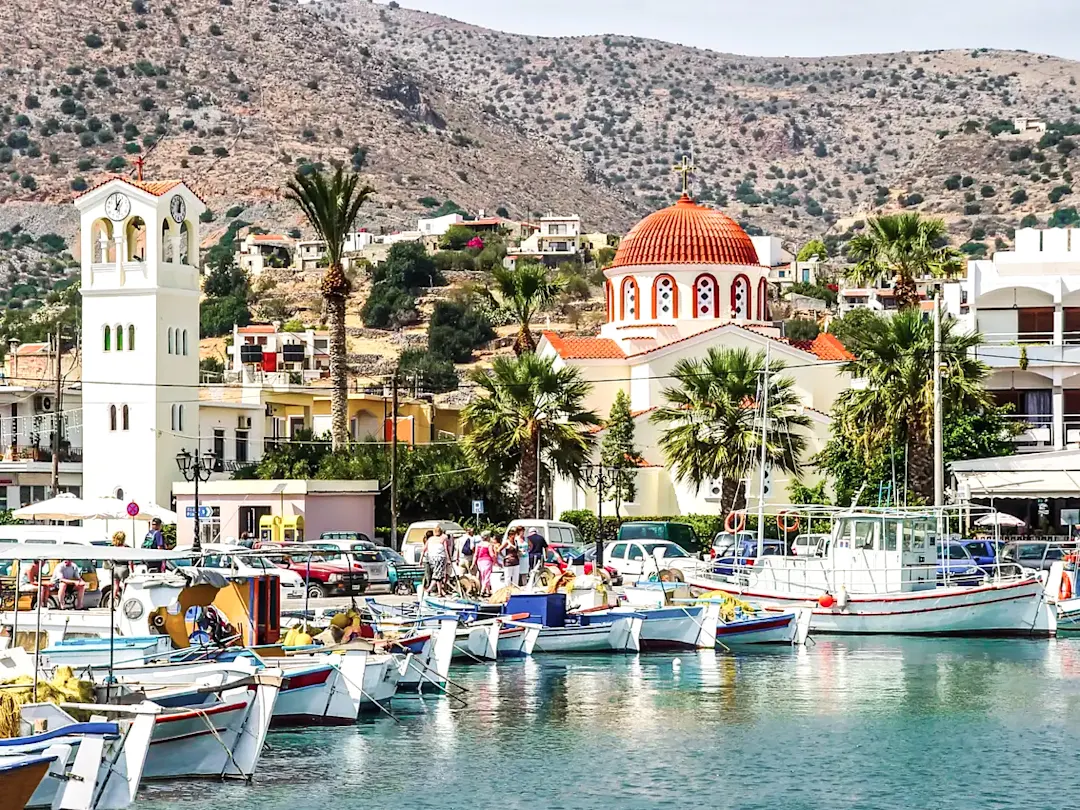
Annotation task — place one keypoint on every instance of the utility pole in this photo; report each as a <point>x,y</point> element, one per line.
<point>939,467</point>
<point>764,442</point>
<point>56,422</point>
<point>393,460</point>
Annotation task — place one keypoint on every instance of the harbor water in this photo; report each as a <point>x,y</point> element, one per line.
<point>845,723</point>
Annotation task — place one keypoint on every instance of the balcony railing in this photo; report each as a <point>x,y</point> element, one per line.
<point>1029,339</point>
<point>30,452</point>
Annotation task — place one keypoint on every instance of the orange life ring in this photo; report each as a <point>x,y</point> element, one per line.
<point>781,521</point>
<point>740,522</point>
<point>1065,590</point>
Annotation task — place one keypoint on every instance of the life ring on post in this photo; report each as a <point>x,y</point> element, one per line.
<point>1065,589</point>
<point>782,518</point>
<point>735,522</point>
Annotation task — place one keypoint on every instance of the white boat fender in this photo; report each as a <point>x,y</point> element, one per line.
<point>676,665</point>
<point>842,598</point>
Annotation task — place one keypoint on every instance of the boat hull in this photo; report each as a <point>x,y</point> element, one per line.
<point>614,634</point>
<point>675,628</point>
<point>20,777</point>
<point>314,694</point>
<point>1016,608</point>
<point>518,641</point>
<point>781,628</point>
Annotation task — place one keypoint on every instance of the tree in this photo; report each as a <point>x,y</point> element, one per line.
<point>456,237</point>
<point>218,315</point>
<point>389,307</point>
<point>893,412</point>
<point>524,407</point>
<point>523,291</point>
<point>455,330</point>
<point>331,205</point>
<point>617,450</point>
<point>801,329</point>
<point>431,373</point>
<point>712,421</point>
<point>906,247</point>
<point>408,266</point>
<point>814,249</point>
<point>847,326</point>
<point>225,278</point>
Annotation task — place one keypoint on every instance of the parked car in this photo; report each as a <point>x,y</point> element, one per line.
<point>681,534</point>
<point>646,558</point>
<point>356,537</point>
<point>741,554</point>
<point>1037,554</point>
<point>404,577</point>
<point>957,566</point>
<point>584,556</point>
<point>724,542</point>
<point>554,531</point>
<point>361,551</point>
<point>985,552</point>
<point>412,544</point>
<point>236,560</point>
<point>809,545</point>
<point>322,570</point>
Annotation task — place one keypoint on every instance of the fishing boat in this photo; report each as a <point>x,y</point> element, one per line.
<point>878,575</point>
<point>94,765</point>
<point>20,776</point>
<point>426,645</point>
<point>517,639</point>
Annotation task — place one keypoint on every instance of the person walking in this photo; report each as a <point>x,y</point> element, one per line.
<point>511,559</point>
<point>155,538</point>
<point>485,563</point>
<point>537,548</point>
<point>121,571</point>
<point>437,553</point>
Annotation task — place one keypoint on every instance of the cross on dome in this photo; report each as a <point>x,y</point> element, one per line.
<point>686,169</point>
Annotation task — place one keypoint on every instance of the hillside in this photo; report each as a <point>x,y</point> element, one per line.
<point>235,95</point>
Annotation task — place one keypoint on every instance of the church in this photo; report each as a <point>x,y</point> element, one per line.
<point>683,280</point>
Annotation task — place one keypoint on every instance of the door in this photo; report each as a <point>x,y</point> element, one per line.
<point>635,560</point>
<point>616,558</point>
<point>249,518</point>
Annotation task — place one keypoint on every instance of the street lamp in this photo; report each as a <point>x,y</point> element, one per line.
<point>195,469</point>
<point>599,477</point>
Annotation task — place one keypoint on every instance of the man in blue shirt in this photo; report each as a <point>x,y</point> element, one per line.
<point>155,539</point>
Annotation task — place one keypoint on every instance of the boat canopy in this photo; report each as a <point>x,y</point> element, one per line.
<point>82,551</point>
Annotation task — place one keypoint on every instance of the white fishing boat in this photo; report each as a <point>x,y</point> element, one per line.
<point>789,627</point>
<point>607,632</point>
<point>878,574</point>
<point>1066,599</point>
<point>517,639</point>
<point>425,648</point>
<point>97,765</point>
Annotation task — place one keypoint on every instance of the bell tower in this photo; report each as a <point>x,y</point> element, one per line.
<point>139,244</point>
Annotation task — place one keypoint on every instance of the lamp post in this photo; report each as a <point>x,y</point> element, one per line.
<point>195,469</point>
<point>599,477</point>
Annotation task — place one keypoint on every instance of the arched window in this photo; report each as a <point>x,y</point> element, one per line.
<point>119,338</point>
<point>170,340</point>
<point>172,418</point>
<point>665,298</point>
<point>112,417</point>
<point>186,248</point>
<point>629,300</point>
<point>609,301</point>
<point>108,338</point>
<point>740,298</point>
<point>166,242</point>
<point>185,343</point>
<point>125,421</point>
<point>763,300</point>
<point>131,337</point>
<point>136,240</point>
<point>179,417</point>
<point>706,300</point>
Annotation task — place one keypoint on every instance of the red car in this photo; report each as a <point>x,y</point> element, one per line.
<point>325,573</point>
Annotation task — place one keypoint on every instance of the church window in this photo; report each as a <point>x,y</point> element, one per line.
<point>665,298</point>
<point>179,417</point>
<point>763,300</point>
<point>172,417</point>
<point>740,298</point>
<point>108,338</point>
<point>629,299</point>
<point>112,417</point>
<point>119,338</point>
<point>706,301</point>
<point>125,417</point>
<point>131,337</point>
<point>609,301</point>
<point>166,243</point>
<point>170,340</point>
<point>185,343</point>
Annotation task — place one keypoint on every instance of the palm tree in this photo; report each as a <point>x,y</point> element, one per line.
<point>526,406</point>
<point>713,422</point>
<point>524,290</point>
<point>906,247</point>
<point>895,356</point>
<point>331,205</point>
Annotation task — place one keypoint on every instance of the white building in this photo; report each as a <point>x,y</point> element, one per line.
<point>261,250</point>
<point>783,268</point>
<point>140,287</point>
<point>685,279</point>
<point>558,238</point>
<point>265,352</point>
<point>438,226</point>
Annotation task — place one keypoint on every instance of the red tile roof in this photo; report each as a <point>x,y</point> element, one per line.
<point>686,233</point>
<point>156,187</point>
<point>633,415</point>
<point>828,347</point>
<point>32,348</point>
<point>270,237</point>
<point>585,348</point>
<point>257,329</point>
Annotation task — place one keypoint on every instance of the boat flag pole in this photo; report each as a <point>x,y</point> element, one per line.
<point>764,442</point>
<point>939,471</point>
<point>37,634</point>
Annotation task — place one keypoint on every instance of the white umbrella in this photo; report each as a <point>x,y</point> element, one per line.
<point>66,506</point>
<point>152,510</point>
<point>1000,519</point>
<point>79,551</point>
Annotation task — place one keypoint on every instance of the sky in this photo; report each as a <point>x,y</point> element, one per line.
<point>791,27</point>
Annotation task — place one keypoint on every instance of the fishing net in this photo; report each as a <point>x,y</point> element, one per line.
<point>64,687</point>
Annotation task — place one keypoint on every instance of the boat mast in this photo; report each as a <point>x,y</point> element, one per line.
<point>764,439</point>
<point>939,467</point>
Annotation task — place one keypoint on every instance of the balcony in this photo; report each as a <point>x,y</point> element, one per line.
<point>16,453</point>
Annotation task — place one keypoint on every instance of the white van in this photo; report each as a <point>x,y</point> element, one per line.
<point>412,544</point>
<point>557,533</point>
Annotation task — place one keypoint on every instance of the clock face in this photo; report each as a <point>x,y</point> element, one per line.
<point>117,206</point>
<point>178,209</point>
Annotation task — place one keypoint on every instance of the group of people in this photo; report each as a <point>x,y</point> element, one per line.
<point>480,555</point>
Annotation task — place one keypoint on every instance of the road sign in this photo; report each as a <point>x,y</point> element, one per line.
<point>204,512</point>
<point>132,509</point>
<point>478,507</point>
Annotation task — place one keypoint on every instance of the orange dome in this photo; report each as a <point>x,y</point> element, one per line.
<point>686,233</point>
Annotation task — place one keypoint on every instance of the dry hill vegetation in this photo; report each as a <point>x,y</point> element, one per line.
<point>235,95</point>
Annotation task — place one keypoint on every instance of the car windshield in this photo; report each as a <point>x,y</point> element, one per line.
<point>389,555</point>
<point>669,550</point>
<point>635,531</point>
<point>957,552</point>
